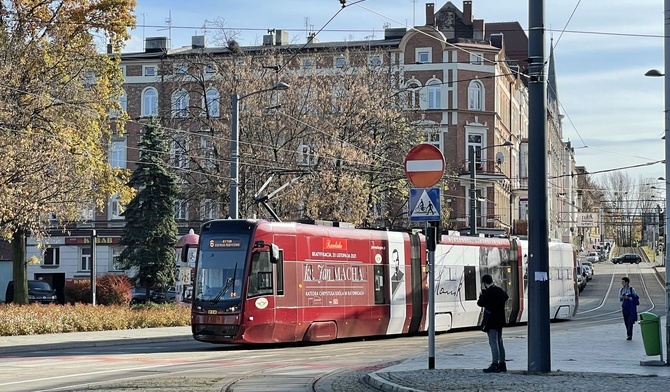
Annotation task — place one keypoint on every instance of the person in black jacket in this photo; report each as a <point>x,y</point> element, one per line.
<point>493,299</point>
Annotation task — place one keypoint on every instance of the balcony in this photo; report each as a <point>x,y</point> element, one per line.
<point>485,170</point>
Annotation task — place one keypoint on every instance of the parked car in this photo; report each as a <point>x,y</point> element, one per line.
<point>627,258</point>
<point>588,272</point>
<point>592,257</point>
<point>590,265</point>
<point>139,295</point>
<point>39,291</point>
<point>163,295</point>
<point>581,280</point>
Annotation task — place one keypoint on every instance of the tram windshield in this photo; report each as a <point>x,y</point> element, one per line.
<point>220,269</point>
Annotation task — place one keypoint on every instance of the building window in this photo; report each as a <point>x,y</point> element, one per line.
<point>180,69</point>
<point>88,212</point>
<point>305,157</point>
<point>476,58</point>
<point>51,257</point>
<point>209,209</point>
<point>116,254</point>
<point>423,55</point>
<point>434,95</point>
<point>207,153</point>
<point>117,153</point>
<point>149,102</point>
<point>149,70</point>
<point>115,208</point>
<point>179,154</point>
<point>413,96</point>
<point>476,141</point>
<point>209,69</point>
<point>85,259</point>
<point>181,210</point>
<point>180,100</point>
<point>211,103</point>
<point>476,96</point>
<point>433,136</point>
<point>123,103</point>
<point>375,60</point>
<point>340,62</point>
<point>307,64</point>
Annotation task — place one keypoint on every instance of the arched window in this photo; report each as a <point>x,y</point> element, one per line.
<point>211,103</point>
<point>476,96</point>
<point>149,102</point>
<point>413,96</point>
<point>434,95</point>
<point>180,101</point>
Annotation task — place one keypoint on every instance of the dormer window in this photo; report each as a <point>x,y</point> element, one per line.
<point>423,55</point>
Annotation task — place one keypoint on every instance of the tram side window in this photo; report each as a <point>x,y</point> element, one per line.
<point>280,273</point>
<point>260,278</point>
<point>380,289</point>
<point>470,283</point>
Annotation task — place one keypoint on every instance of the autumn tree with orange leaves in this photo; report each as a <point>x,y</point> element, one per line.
<point>57,91</point>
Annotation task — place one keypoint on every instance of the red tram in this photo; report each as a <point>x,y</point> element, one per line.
<point>267,282</point>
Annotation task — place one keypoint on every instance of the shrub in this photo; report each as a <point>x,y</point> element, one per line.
<point>113,290</point>
<point>39,319</point>
<point>109,289</point>
<point>78,291</point>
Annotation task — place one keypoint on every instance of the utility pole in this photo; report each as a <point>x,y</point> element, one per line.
<point>539,344</point>
<point>473,191</point>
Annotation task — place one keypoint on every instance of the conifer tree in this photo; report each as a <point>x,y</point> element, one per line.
<point>150,233</point>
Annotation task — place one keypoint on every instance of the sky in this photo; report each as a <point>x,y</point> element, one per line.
<point>613,114</point>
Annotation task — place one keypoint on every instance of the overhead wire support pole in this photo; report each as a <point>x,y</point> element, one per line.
<point>539,344</point>
<point>235,145</point>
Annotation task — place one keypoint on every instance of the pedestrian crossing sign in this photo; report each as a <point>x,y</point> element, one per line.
<point>424,204</point>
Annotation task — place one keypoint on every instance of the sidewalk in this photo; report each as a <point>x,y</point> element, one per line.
<point>597,356</point>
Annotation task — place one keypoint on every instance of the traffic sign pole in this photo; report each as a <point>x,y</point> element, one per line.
<point>424,167</point>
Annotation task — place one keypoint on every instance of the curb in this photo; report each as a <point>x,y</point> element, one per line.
<point>99,343</point>
<point>382,384</point>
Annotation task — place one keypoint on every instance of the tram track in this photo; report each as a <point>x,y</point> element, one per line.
<point>607,308</point>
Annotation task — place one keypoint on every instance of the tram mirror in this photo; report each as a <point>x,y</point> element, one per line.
<point>274,253</point>
<point>259,244</point>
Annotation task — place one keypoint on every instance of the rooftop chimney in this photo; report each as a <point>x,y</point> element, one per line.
<point>198,41</point>
<point>467,12</point>
<point>430,14</point>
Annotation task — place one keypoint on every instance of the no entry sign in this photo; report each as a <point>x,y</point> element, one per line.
<point>424,165</point>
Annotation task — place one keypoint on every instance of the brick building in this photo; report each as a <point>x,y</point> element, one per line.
<point>463,85</point>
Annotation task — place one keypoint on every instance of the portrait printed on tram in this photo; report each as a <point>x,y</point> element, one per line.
<point>398,275</point>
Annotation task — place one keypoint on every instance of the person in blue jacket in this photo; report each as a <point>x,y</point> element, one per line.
<point>629,301</point>
<point>493,299</point>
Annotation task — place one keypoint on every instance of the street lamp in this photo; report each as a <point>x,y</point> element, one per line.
<point>666,81</point>
<point>234,145</point>
<point>473,183</point>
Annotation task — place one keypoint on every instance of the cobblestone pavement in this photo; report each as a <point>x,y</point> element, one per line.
<point>459,380</point>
